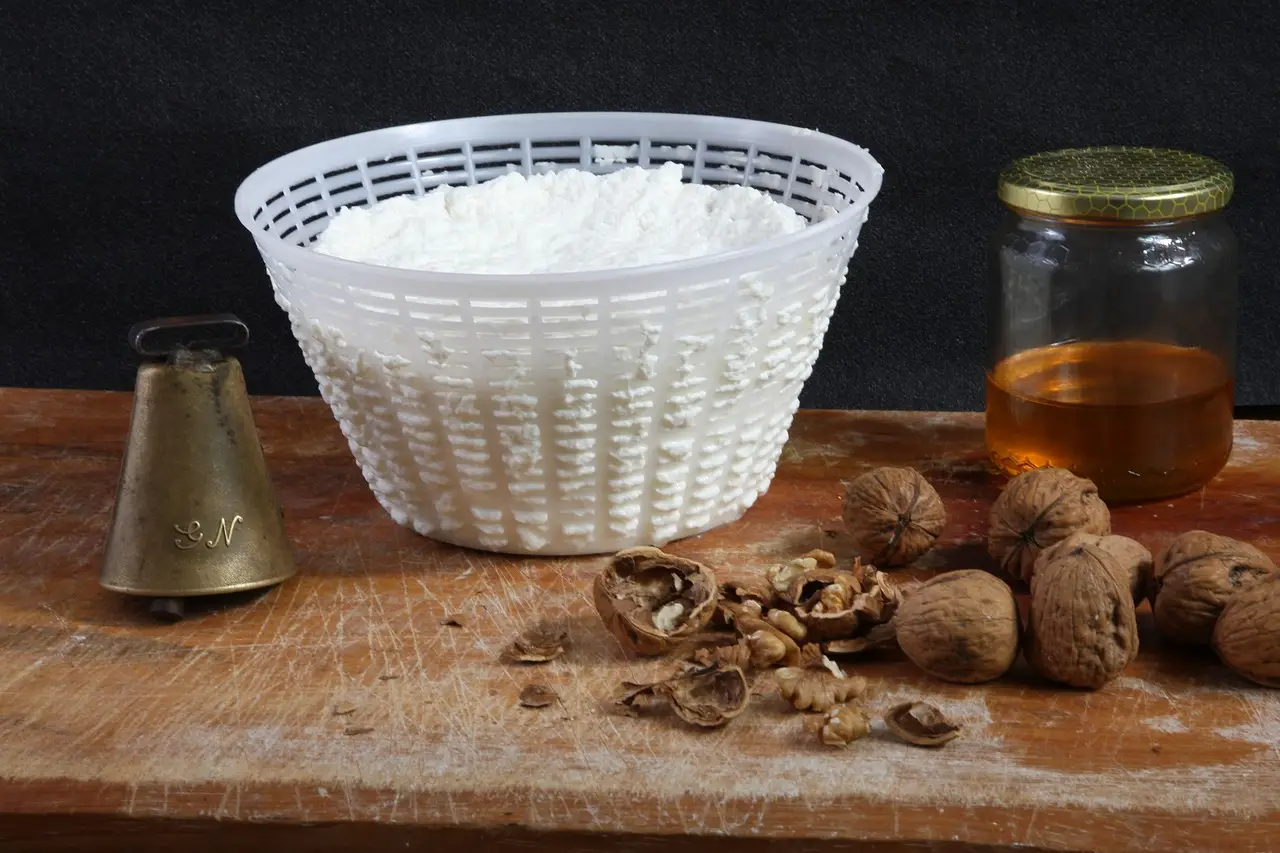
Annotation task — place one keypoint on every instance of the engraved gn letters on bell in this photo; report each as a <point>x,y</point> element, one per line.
<point>195,512</point>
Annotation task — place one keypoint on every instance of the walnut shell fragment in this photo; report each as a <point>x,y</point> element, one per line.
<point>743,593</point>
<point>651,601</point>
<point>537,644</point>
<point>879,636</point>
<point>706,696</point>
<point>920,724</point>
<point>537,696</point>
<point>1132,559</point>
<point>818,688</point>
<point>961,626</point>
<point>1198,574</point>
<point>1247,634</point>
<point>1038,508</point>
<point>1082,630</point>
<point>843,725</point>
<point>894,516</point>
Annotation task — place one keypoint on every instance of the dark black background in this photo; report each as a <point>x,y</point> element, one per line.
<point>126,127</point>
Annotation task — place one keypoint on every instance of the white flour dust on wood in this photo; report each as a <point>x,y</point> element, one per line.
<point>1169,725</point>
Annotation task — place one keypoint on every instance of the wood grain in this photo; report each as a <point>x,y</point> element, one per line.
<point>119,733</point>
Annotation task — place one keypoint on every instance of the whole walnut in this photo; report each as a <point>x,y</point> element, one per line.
<point>1197,574</point>
<point>961,626</point>
<point>1082,630</point>
<point>1247,634</point>
<point>1133,560</point>
<point>894,516</point>
<point>1037,509</point>
<point>652,601</point>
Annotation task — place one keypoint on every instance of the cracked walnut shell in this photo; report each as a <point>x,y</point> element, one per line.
<point>823,601</point>
<point>1247,634</point>
<point>1082,630</point>
<point>894,516</point>
<point>651,601</point>
<point>1039,508</point>
<point>835,605</point>
<point>706,696</point>
<point>818,688</point>
<point>1198,574</point>
<point>961,626</point>
<point>744,593</point>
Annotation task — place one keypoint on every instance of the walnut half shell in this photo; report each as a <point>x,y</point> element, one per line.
<point>920,724</point>
<point>651,601</point>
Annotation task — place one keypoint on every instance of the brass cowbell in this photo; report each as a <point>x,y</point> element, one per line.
<point>195,513</point>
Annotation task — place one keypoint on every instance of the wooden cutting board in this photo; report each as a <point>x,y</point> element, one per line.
<point>219,732</point>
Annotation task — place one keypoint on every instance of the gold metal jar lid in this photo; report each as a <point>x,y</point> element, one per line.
<point>1117,183</point>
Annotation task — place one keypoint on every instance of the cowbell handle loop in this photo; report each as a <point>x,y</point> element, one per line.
<point>205,331</point>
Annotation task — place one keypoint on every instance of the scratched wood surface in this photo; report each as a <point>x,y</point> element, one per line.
<point>115,730</point>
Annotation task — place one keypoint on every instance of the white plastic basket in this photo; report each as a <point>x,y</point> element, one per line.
<point>564,413</point>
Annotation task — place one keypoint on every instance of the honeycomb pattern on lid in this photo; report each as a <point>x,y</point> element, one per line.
<point>1117,183</point>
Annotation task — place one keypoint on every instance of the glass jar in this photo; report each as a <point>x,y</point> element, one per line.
<point>1112,319</point>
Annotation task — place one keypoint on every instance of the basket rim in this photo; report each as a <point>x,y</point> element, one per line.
<point>266,178</point>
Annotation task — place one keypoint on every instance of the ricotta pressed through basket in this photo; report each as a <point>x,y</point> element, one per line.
<point>563,333</point>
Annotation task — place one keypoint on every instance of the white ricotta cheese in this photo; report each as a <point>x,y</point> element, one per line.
<point>566,221</point>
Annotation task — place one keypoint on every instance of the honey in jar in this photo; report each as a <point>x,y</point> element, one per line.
<point>1112,313</point>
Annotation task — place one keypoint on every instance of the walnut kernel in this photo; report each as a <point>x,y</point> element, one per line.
<point>1037,509</point>
<point>818,688</point>
<point>961,626</point>
<point>893,515</point>
<point>786,622</point>
<point>781,577</point>
<point>843,725</point>
<point>1198,574</point>
<point>750,625</point>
